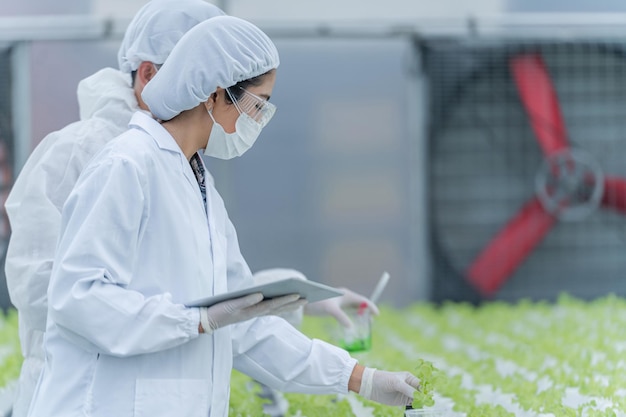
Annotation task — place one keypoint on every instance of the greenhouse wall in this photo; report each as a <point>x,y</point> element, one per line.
<point>342,185</point>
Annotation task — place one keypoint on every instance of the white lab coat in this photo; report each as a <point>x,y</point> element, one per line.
<point>107,102</point>
<point>136,243</point>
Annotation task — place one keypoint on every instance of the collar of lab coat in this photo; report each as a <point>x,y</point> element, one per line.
<point>144,121</point>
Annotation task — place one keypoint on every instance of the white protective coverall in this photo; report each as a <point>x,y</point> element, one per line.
<point>119,340</point>
<point>107,102</point>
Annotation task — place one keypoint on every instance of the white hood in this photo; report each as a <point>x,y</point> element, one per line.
<point>107,94</point>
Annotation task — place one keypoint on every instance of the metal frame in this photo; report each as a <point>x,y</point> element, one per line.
<point>573,25</point>
<point>21,104</point>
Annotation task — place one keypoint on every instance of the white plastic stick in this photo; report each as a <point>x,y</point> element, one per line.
<point>380,287</point>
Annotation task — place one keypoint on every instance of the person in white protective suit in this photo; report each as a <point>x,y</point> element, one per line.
<point>143,231</point>
<point>107,101</point>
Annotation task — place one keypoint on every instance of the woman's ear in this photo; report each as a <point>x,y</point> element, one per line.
<point>210,103</point>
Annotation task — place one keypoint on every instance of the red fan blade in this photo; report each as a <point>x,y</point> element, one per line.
<point>540,101</point>
<point>615,194</point>
<point>510,247</point>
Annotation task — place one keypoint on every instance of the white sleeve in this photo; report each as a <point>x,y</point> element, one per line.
<point>275,353</point>
<point>34,210</point>
<point>89,299</point>
<point>238,272</point>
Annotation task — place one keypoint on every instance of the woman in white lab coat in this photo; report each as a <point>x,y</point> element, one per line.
<point>143,232</point>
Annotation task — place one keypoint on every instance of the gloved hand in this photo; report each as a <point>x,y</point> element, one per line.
<point>245,308</point>
<point>391,388</point>
<point>334,306</point>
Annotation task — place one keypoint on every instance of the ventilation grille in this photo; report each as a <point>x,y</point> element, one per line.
<point>485,159</point>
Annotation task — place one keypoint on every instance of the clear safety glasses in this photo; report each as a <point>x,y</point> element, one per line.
<point>254,106</point>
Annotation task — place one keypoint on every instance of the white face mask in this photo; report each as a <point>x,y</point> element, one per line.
<point>224,145</point>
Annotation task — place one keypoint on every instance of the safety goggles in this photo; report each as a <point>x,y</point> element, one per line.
<point>254,106</point>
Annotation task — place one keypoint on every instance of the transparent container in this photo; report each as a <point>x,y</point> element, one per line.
<point>357,338</point>
<point>426,412</point>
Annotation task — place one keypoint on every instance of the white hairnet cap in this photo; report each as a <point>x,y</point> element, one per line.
<point>219,52</point>
<point>157,27</point>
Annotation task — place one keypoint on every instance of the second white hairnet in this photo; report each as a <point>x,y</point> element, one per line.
<point>157,27</point>
<point>219,52</point>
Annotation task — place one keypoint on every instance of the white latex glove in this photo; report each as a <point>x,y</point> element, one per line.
<point>245,308</point>
<point>276,274</point>
<point>391,388</point>
<point>334,306</point>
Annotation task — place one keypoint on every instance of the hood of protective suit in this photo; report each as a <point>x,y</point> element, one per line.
<point>157,27</point>
<point>219,52</point>
<point>107,94</point>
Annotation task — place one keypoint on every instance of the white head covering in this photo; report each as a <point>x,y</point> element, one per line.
<point>157,27</point>
<point>219,52</point>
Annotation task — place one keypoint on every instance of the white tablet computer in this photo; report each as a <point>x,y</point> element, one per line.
<point>312,291</point>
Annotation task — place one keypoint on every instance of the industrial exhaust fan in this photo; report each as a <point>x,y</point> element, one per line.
<point>527,150</point>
